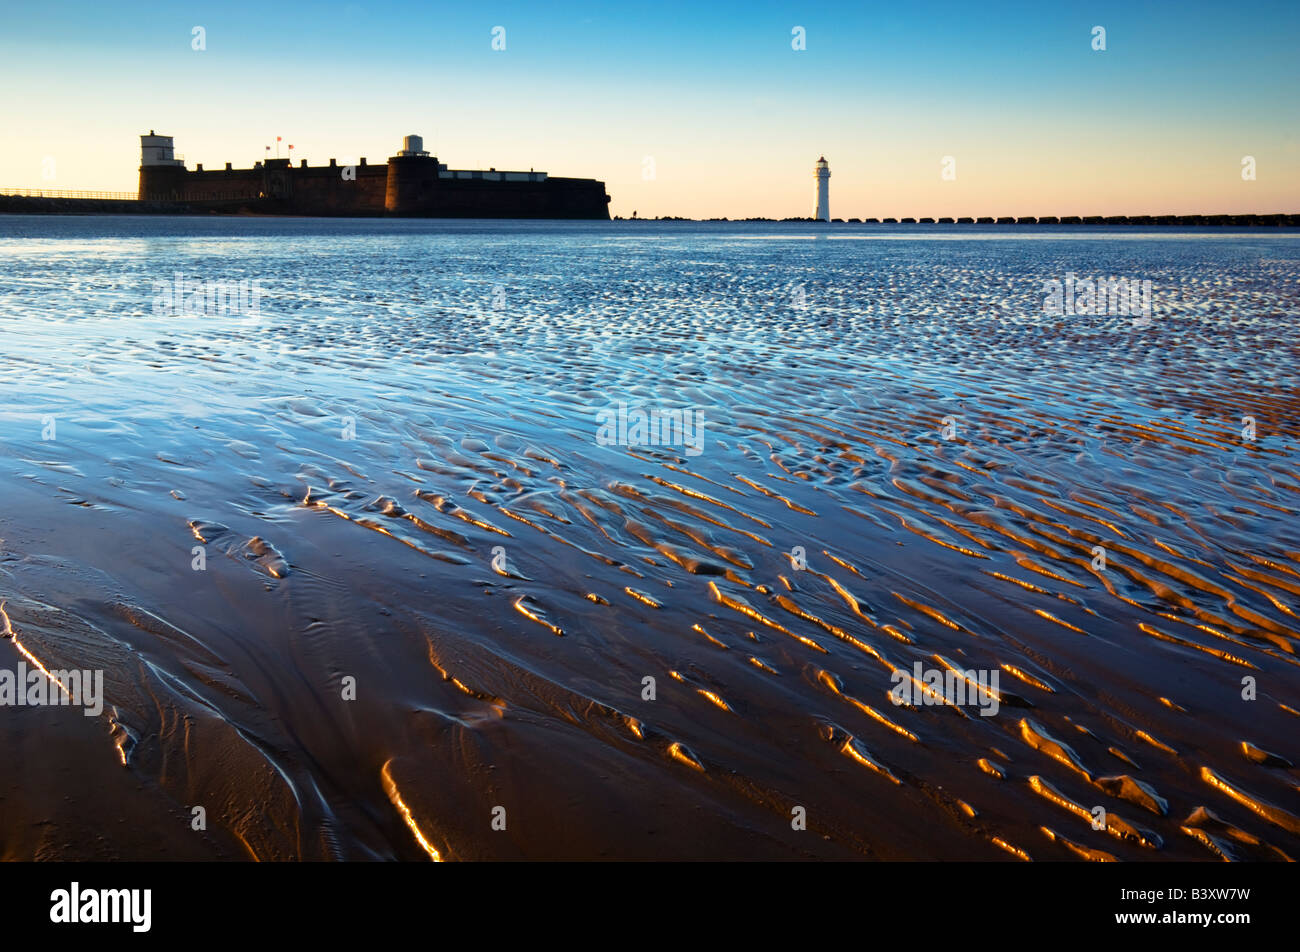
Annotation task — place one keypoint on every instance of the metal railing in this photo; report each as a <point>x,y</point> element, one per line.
<point>68,193</point>
<point>243,196</point>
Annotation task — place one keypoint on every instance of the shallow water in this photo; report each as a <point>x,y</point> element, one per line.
<point>390,481</point>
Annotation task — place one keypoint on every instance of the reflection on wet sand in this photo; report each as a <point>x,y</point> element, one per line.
<point>361,573</point>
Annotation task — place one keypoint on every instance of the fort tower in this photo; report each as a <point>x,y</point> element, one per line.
<point>161,172</point>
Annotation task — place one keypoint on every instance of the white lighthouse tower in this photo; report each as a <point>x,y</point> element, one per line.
<point>822,172</point>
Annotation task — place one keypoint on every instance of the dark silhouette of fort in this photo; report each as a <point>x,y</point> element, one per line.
<point>412,184</point>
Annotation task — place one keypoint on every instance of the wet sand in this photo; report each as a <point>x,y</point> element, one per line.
<point>497,584</point>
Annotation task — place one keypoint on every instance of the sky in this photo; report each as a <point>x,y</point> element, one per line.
<point>688,109</point>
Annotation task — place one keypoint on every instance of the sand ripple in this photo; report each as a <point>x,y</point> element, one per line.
<point>401,501</point>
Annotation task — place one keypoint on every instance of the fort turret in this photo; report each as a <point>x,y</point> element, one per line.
<point>162,174</point>
<point>412,180</point>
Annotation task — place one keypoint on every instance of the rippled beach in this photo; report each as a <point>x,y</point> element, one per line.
<point>366,579</point>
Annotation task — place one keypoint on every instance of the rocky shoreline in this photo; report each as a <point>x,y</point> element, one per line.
<point>1275,220</point>
<point>18,204</point>
<point>30,205</point>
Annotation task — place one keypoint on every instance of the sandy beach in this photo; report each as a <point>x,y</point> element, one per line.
<point>365,582</point>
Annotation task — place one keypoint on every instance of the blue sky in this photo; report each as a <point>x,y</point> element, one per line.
<point>712,99</point>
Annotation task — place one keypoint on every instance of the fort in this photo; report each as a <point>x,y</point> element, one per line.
<point>412,184</point>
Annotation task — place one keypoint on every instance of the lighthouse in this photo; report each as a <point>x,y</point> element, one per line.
<point>822,172</point>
